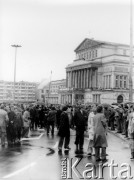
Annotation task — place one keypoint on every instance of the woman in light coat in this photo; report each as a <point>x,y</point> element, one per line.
<point>99,141</point>
<point>91,131</point>
<point>26,121</point>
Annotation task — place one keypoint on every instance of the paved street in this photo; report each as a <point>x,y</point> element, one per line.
<point>38,159</point>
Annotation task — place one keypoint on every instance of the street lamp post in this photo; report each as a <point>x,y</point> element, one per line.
<point>15,46</point>
<point>131,54</point>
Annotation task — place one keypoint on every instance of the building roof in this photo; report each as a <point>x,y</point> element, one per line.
<point>78,62</point>
<point>88,43</point>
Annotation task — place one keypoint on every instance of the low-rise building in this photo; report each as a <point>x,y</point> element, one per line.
<point>24,91</point>
<point>49,93</point>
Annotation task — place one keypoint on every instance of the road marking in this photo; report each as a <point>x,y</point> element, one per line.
<point>56,145</point>
<point>20,170</point>
<point>25,167</point>
<point>36,138</point>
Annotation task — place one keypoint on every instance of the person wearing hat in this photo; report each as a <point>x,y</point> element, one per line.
<point>51,120</point>
<point>3,122</point>
<point>64,130</point>
<point>80,123</point>
<point>10,125</point>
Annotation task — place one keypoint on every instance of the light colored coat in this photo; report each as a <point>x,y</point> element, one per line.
<point>26,119</point>
<point>91,126</point>
<point>3,120</point>
<point>99,123</point>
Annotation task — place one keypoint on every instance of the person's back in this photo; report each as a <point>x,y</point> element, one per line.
<point>3,117</point>
<point>52,116</point>
<point>79,121</point>
<point>99,120</point>
<point>3,120</point>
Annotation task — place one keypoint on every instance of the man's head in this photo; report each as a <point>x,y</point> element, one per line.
<point>64,108</point>
<point>2,106</point>
<point>99,109</point>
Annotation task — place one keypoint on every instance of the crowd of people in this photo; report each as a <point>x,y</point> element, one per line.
<point>97,119</point>
<point>16,122</point>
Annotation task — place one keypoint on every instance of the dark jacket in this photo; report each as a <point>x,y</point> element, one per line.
<point>80,121</point>
<point>19,120</point>
<point>64,129</point>
<point>52,116</point>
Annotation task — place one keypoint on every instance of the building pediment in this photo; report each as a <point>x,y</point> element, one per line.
<point>87,43</point>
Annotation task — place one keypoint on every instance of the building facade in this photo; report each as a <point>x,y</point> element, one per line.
<point>99,74</point>
<point>50,92</point>
<point>24,91</point>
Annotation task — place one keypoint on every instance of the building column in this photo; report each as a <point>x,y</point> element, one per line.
<point>87,82</point>
<point>90,77</point>
<point>62,99</point>
<point>95,75</point>
<point>77,74</point>
<point>75,81</point>
<point>72,98</point>
<point>84,82</point>
<point>71,79</point>
<point>69,98</point>
<point>68,80</point>
<point>82,79</point>
<point>78,79</point>
<point>96,78</point>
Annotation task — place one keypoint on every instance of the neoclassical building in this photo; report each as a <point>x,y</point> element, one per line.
<point>100,73</point>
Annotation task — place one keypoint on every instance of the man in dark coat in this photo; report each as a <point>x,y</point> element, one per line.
<point>112,118</point>
<point>80,123</point>
<point>10,126</point>
<point>64,130</point>
<point>18,124</point>
<point>51,119</point>
<point>58,115</point>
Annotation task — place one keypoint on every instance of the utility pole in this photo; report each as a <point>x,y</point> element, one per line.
<point>15,46</point>
<point>131,54</point>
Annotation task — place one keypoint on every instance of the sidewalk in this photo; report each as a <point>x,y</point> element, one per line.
<point>119,135</point>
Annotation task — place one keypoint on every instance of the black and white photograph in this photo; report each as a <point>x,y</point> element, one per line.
<point>66,89</point>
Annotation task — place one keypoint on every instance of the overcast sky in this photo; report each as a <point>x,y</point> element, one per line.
<point>50,30</point>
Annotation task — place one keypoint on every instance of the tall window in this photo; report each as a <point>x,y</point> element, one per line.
<point>110,81</point>
<point>90,54</point>
<point>93,54</point>
<point>107,82</point>
<point>87,55</point>
<point>117,81</point>
<point>125,81</point>
<point>120,81</point>
<point>96,53</point>
<point>96,98</point>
